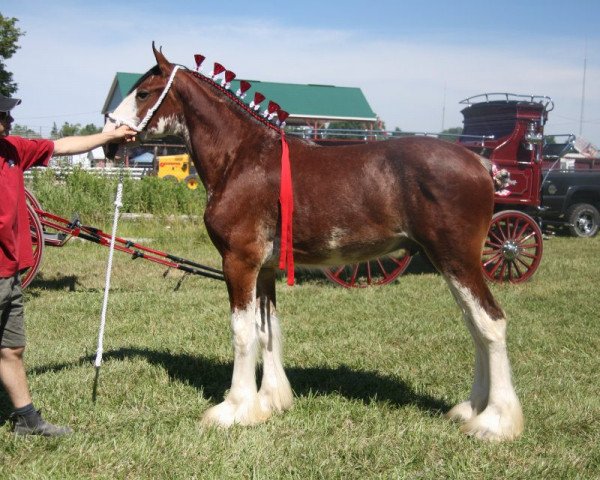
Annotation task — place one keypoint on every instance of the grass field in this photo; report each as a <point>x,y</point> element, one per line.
<point>373,371</point>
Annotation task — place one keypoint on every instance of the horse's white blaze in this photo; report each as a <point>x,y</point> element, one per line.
<point>126,113</point>
<point>495,409</point>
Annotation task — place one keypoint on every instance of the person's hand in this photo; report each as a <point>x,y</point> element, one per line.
<point>123,134</point>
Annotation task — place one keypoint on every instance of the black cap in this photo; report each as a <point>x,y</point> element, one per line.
<point>7,103</point>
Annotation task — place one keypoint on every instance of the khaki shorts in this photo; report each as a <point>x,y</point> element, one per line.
<point>12,320</point>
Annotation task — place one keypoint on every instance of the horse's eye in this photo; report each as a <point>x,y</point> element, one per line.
<point>142,95</point>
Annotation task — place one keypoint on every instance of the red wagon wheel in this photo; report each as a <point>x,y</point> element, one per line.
<point>513,249</point>
<point>380,271</point>
<point>37,241</point>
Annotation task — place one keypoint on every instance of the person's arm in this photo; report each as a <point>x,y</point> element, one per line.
<point>85,143</point>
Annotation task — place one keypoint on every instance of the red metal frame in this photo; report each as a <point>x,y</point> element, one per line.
<point>66,229</point>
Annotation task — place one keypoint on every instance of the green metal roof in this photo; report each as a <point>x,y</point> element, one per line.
<point>119,90</point>
<point>302,101</point>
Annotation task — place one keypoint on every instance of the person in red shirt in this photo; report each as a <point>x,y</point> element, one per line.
<point>17,155</point>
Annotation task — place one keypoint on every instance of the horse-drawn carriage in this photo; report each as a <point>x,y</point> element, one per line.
<point>508,130</point>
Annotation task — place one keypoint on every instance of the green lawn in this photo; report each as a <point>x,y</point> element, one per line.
<point>373,371</point>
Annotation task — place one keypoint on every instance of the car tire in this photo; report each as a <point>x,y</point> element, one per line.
<point>584,220</point>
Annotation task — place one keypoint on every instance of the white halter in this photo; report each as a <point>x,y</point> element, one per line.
<point>141,125</point>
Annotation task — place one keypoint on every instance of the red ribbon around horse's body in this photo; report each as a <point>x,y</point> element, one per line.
<point>286,199</point>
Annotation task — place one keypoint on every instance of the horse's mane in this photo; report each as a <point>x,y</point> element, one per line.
<point>229,94</point>
<point>224,91</point>
<point>155,70</point>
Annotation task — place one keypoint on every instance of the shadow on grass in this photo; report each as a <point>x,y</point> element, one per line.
<point>5,407</point>
<point>213,378</point>
<point>58,282</point>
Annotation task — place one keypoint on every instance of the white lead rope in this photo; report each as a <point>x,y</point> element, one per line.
<point>118,205</point>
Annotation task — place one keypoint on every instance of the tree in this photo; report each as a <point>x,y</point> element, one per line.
<point>24,131</point>
<point>89,129</point>
<point>9,36</point>
<point>54,132</point>
<point>72,129</point>
<point>451,134</point>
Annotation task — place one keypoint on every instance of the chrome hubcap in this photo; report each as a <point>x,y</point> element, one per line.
<point>510,250</point>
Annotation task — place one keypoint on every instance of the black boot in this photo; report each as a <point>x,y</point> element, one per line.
<point>34,424</point>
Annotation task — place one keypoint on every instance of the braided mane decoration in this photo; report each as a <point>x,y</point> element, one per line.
<point>273,111</point>
<point>286,194</point>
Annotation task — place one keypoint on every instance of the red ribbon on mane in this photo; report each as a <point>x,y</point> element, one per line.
<point>286,199</point>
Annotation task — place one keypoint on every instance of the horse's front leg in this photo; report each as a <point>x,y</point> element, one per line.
<point>275,393</point>
<point>241,405</point>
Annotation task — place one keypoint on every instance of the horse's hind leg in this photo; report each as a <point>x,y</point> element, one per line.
<point>241,405</point>
<point>275,394</point>
<point>493,411</point>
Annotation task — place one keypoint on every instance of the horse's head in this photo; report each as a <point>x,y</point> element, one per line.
<point>150,106</point>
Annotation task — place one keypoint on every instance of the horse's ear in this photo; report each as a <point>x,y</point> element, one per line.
<point>163,63</point>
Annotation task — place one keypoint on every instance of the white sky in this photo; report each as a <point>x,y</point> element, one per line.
<point>414,63</point>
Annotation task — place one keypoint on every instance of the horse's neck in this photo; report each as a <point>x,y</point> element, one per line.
<point>219,132</point>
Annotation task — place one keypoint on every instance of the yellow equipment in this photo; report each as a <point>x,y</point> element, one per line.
<point>178,168</point>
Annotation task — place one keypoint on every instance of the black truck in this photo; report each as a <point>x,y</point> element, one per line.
<point>570,190</point>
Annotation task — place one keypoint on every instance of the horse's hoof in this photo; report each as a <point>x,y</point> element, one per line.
<point>276,400</point>
<point>461,413</point>
<point>226,414</point>
<point>495,424</point>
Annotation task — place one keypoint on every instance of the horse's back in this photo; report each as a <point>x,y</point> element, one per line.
<point>359,201</point>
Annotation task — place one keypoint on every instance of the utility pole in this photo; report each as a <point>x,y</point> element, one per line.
<point>583,90</point>
<point>444,108</point>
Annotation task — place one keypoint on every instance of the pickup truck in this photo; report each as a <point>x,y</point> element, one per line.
<point>571,194</point>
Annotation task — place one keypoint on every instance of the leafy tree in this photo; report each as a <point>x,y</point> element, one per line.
<point>9,36</point>
<point>54,131</point>
<point>354,129</point>
<point>24,131</point>
<point>89,129</point>
<point>72,129</point>
<point>451,134</point>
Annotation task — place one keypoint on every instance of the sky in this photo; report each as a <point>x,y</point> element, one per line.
<point>414,61</point>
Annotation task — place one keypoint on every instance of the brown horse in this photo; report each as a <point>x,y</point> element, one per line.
<point>415,193</point>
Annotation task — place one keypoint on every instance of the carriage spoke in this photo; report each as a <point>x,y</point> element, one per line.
<point>493,233</point>
<point>493,259</point>
<point>354,274</point>
<point>527,255</point>
<point>497,265</point>
<point>525,264</point>
<point>494,244</point>
<point>521,232</point>
<point>506,230</point>
<point>382,268</point>
<point>509,270</point>
<point>503,269</point>
<point>528,237</point>
<point>515,266</point>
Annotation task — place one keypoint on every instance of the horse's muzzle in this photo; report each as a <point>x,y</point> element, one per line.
<point>110,150</point>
